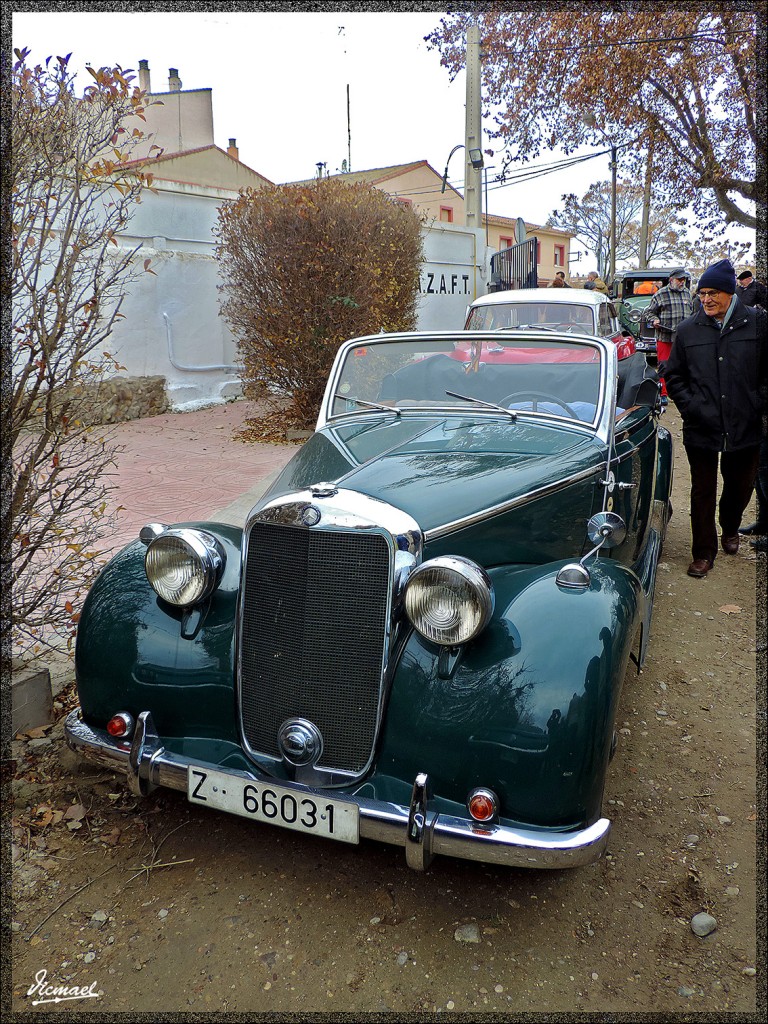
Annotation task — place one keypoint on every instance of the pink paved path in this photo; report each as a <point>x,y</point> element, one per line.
<point>186,466</point>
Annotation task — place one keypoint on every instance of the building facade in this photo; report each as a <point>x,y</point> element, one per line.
<point>172,327</point>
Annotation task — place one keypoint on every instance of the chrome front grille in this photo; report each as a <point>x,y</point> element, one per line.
<point>314,630</point>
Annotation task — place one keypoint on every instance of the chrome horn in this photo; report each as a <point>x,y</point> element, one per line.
<point>605,530</point>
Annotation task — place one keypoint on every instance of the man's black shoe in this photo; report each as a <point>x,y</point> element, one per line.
<point>753,530</point>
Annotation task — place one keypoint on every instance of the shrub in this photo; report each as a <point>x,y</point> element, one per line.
<point>305,268</point>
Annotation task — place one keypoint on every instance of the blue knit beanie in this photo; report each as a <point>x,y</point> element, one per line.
<point>721,276</point>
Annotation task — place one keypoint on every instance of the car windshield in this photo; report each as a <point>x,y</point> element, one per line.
<point>642,288</point>
<point>572,316</point>
<point>547,377</point>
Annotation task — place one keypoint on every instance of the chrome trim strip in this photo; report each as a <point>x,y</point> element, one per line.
<point>507,506</point>
<point>384,822</point>
<point>609,360</point>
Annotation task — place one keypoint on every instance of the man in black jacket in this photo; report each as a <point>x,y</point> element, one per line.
<point>750,291</point>
<point>716,376</point>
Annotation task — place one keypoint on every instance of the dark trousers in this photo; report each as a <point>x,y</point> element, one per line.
<point>738,470</point>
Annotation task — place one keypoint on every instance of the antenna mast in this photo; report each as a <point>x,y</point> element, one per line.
<point>349,135</point>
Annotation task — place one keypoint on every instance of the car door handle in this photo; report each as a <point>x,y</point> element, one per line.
<point>619,486</point>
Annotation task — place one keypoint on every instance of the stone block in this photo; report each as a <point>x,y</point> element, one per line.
<point>31,699</point>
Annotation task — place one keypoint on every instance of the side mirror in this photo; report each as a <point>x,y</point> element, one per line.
<point>606,529</point>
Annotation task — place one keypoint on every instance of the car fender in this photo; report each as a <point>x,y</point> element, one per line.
<point>527,708</point>
<point>135,651</point>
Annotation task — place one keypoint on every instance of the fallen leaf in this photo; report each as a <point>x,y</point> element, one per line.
<point>75,813</point>
<point>37,733</point>
<point>730,609</point>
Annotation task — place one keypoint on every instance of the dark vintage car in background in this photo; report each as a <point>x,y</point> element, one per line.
<point>633,290</point>
<point>421,634</point>
<point>575,310</point>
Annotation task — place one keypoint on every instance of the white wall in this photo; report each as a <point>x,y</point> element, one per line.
<point>454,273</point>
<point>171,324</point>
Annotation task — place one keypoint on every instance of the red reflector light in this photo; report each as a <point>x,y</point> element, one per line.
<point>120,725</point>
<point>482,804</point>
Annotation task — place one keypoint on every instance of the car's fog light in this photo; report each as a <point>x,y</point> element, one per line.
<point>449,600</point>
<point>184,566</point>
<point>120,725</point>
<point>483,804</point>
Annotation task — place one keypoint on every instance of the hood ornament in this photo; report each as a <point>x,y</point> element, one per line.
<point>323,490</point>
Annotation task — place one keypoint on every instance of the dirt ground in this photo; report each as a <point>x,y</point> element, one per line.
<point>162,907</point>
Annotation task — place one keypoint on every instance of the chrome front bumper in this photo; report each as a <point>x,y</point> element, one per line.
<point>422,831</point>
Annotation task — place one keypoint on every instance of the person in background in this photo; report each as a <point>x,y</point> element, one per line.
<point>750,291</point>
<point>717,376</point>
<point>668,307</point>
<point>595,283</point>
<point>559,276</point>
<point>758,531</point>
<point>646,288</point>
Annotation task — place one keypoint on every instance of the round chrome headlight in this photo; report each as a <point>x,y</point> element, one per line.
<point>635,315</point>
<point>449,600</point>
<point>184,566</point>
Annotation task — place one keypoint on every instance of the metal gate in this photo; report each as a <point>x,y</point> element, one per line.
<point>515,267</point>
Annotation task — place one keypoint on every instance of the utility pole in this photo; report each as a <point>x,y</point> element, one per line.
<point>646,207</point>
<point>613,215</point>
<point>472,132</point>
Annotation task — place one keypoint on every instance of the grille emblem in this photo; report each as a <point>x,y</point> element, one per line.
<point>300,742</point>
<point>310,516</point>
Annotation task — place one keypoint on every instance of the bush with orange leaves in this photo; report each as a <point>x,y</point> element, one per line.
<point>306,267</point>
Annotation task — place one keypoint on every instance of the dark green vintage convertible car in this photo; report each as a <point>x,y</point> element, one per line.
<point>421,634</point>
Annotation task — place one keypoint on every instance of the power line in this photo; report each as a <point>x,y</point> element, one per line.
<point>703,36</point>
<point>524,174</point>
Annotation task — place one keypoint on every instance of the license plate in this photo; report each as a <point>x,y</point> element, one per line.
<point>274,805</point>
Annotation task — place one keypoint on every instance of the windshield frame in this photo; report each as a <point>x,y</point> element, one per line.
<point>583,329</point>
<point>601,425</point>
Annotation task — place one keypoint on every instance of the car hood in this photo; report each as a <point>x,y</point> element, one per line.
<point>440,468</point>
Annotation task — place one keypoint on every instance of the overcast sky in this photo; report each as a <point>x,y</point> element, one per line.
<point>279,87</point>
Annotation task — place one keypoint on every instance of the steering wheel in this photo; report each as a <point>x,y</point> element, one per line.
<point>572,327</point>
<point>535,397</point>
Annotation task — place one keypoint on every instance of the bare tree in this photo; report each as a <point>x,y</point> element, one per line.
<point>590,218</point>
<point>70,197</point>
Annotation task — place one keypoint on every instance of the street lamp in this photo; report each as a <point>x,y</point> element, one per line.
<point>475,158</point>
<point>590,120</point>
